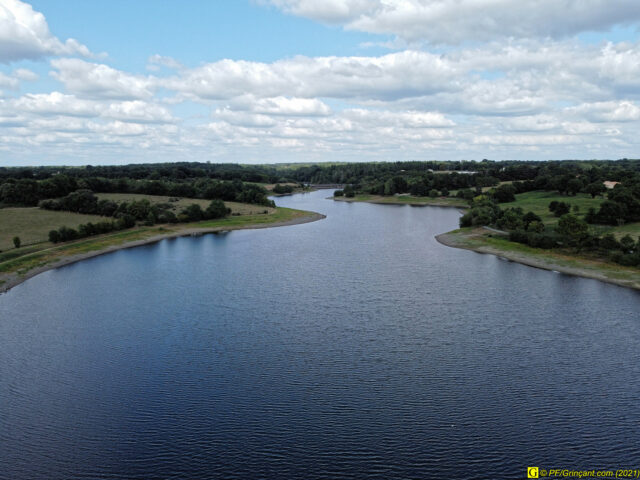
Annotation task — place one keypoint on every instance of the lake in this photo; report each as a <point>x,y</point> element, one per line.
<point>352,347</point>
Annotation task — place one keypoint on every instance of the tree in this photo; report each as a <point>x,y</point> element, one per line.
<point>608,242</point>
<point>530,217</point>
<point>216,209</point>
<point>54,236</point>
<point>559,208</point>
<point>611,213</point>
<point>282,189</point>
<point>510,220</point>
<point>349,191</point>
<point>192,213</point>
<point>574,186</point>
<point>433,193</point>
<point>16,242</point>
<point>505,193</point>
<point>535,226</point>
<point>627,243</point>
<point>596,188</point>
<point>572,229</point>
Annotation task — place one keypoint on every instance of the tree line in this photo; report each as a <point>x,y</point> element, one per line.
<point>28,192</point>
<point>126,214</point>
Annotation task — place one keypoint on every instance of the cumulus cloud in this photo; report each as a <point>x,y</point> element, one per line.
<point>613,111</point>
<point>54,103</point>
<point>457,21</point>
<point>286,106</point>
<point>7,81</point>
<point>41,105</point>
<point>402,74</point>
<point>96,80</point>
<point>24,34</point>
<point>509,98</point>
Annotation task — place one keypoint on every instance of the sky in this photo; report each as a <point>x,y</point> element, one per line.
<point>266,81</point>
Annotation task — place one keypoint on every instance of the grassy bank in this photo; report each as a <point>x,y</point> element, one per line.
<point>483,241</point>
<point>33,224</point>
<point>407,200</point>
<point>19,264</point>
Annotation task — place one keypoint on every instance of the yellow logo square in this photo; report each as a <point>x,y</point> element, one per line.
<point>532,472</point>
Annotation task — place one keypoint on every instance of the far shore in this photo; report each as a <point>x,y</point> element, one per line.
<point>406,200</point>
<point>12,279</point>
<point>483,242</point>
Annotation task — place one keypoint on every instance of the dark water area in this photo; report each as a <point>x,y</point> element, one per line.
<point>353,347</point>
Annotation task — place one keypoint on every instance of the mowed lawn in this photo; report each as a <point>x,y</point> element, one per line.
<point>32,225</point>
<point>236,208</point>
<point>538,203</point>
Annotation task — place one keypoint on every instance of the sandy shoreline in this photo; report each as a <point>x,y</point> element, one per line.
<point>11,280</point>
<point>454,240</point>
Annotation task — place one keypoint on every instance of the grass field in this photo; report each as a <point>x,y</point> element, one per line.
<point>538,203</point>
<point>32,225</point>
<point>237,208</point>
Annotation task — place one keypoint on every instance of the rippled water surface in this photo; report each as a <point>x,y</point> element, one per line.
<point>353,347</point>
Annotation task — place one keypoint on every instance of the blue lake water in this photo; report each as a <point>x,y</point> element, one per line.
<point>352,347</point>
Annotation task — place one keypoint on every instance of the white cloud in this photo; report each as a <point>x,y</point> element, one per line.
<point>156,61</point>
<point>63,105</point>
<point>96,80</point>
<point>24,34</point>
<point>54,103</point>
<point>285,106</point>
<point>502,99</point>
<point>391,76</point>
<point>613,111</point>
<point>7,81</point>
<point>25,75</point>
<point>457,21</point>
<point>137,111</point>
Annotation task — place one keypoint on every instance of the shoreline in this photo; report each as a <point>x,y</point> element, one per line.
<point>545,260</point>
<point>13,279</point>
<point>398,202</point>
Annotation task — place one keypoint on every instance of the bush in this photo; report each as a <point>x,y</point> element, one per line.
<point>559,208</point>
<point>216,209</point>
<point>466,220</point>
<point>504,193</point>
<point>54,236</point>
<point>192,213</point>
<point>282,189</point>
<point>536,226</point>
<point>519,236</point>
